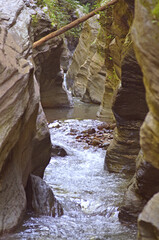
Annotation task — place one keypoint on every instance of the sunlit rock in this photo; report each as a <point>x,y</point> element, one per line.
<point>78,70</point>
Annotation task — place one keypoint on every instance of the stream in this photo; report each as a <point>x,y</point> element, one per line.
<point>90,196</point>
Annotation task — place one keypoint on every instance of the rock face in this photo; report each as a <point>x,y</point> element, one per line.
<point>78,70</point>
<point>112,64</point>
<point>145,183</point>
<point>95,70</point>
<point>129,107</point>
<point>91,73</point>
<point>47,62</point>
<point>41,198</point>
<point>148,221</point>
<point>23,125</point>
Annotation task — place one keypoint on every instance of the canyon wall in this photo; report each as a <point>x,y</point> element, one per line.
<point>135,144</point>
<point>129,106</point>
<point>91,73</point>
<point>25,145</point>
<point>78,70</point>
<point>47,58</point>
<point>145,34</point>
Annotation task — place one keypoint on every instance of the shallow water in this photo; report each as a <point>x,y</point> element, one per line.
<point>89,195</point>
<point>80,110</point>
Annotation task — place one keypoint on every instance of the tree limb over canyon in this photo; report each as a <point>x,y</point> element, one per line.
<point>72,24</point>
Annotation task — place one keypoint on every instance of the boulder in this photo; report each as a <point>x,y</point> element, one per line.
<point>148,221</point>
<point>41,198</point>
<point>58,151</point>
<point>23,126</point>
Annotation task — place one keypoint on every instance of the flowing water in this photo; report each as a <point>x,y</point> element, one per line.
<point>89,195</point>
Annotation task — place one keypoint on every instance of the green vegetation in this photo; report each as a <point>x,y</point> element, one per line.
<point>155,11</point>
<point>35,19</point>
<point>62,12</point>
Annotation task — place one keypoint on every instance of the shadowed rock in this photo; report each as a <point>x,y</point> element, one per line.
<point>41,198</point>
<point>47,63</point>
<point>145,182</point>
<point>129,107</point>
<point>58,151</point>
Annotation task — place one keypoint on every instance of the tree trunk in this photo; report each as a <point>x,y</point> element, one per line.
<point>72,24</point>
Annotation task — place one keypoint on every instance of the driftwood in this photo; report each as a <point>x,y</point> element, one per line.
<point>72,24</point>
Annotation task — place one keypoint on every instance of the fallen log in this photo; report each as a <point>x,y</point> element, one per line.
<point>72,24</point>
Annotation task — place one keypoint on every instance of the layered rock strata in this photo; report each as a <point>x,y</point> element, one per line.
<point>145,183</point>
<point>95,70</point>
<point>78,71</point>
<point>129,107</point>
<point>91,73</point>
<point>23,127</point>
<point>112,64</point>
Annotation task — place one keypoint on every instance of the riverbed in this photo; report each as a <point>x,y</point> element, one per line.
<point>90,196</point>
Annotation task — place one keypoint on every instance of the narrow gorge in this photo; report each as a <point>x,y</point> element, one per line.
<point>79,118</point>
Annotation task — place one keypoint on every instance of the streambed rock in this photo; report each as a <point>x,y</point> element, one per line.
<point>23,127</point>
<point>148,221</point>
<point>58,151</point>
<point>41,198</point>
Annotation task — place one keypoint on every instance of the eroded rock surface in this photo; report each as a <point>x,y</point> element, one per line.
<point>78,71</point>
<point>145,183</point>
<point>91,73</point>
<point>47,59</point>
<point>129,107</point>
<point>23,126</point>
<point>112,64</point>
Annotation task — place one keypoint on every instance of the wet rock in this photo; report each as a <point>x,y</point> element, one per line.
<point>89,131</point>
<point>103,126</point>
<point>112,125</point>
<point>73,131</point>
<point>96,137</point>
<point>41,198</point>
<point>148,221</point>
<point>105,145</point>
<point>96,142</point>
<point>55,125</point>
<point>58,151</point>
